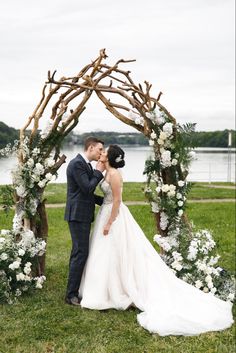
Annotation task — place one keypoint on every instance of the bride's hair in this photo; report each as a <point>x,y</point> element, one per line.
<point>115,156</point>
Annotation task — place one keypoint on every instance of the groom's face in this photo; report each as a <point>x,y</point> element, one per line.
<point>95,151</point>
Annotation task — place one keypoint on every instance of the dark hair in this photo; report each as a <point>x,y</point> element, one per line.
<point>91,141</point>
<point>115,156</point>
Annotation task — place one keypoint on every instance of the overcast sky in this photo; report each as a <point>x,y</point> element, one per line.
<point>184,47</point>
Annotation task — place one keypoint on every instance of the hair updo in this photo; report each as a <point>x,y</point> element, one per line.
<point>115,156</point>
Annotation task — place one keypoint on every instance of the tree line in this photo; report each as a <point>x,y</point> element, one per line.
<point>200,138</point>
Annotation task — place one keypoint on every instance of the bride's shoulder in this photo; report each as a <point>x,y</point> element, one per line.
<point>115,175</point>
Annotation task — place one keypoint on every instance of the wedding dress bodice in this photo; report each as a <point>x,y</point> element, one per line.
<point>107,191</point>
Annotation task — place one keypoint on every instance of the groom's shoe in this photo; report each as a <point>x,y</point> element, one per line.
<point>73,301</point>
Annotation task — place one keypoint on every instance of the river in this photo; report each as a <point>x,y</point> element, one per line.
<point>211,164</point>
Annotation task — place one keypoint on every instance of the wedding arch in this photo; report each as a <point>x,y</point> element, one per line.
<point>63,100</point>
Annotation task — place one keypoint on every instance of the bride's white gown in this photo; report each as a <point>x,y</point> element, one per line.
<point>123,268</point>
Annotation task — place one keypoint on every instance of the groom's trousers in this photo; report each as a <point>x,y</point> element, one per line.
<point>79,253</point>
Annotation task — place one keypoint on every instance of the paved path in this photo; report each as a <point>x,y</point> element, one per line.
<point>214,186</point>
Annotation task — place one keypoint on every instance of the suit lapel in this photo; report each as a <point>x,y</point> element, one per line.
<point>90,172</point>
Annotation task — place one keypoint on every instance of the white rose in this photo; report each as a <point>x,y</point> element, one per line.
<point>180,203</point>
<point>198,284</point>
<point>205,290</point>
<point>210,285</point>
<point>20,276</point>
<point>27,270</point>
<point>48,176</point>
<point>231,297</point>
<point>171,193</point>
<point>166,158</point>
<point>163,135</point>
<point>213,290</point>
<point>174,161</point>
<point>208,279</point>
<point>168,129</point>
<point>39,285</point>
<point>151,143</point>
<point>178,196</point>
<point>160,141</point>
<point>21,252</point>
<point>180,212</point>
<point>155,208</point>
<point>41,184</point>
<point>158,189</point>
<point>21,191</point>
<point>181,183</point>
<point>4,256</point>
<point>153,135</point>
<point>172,187</point>
<point>165,188</point>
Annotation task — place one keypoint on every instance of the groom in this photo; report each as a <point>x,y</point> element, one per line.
<point>80,205</point>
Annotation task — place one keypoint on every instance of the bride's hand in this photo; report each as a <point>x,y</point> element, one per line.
<point>106,229</point>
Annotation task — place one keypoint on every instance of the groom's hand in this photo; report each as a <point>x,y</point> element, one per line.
<point>100,166</point>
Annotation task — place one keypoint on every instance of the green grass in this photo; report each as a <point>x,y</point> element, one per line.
<point>56,193</point>
<point>42,323</point>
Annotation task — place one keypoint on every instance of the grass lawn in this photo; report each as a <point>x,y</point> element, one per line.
<point>42,323</point>
<point>56,193</point>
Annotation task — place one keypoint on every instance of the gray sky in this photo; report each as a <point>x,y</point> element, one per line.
<point>184,47</point>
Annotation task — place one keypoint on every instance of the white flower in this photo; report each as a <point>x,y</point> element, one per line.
<point>192,155</point>
<point>205,290</point>
<point>166,158</point>
<point>42,183</point>
<point>20,276</point>
<point>38,169</point>
<point>171,193</point>
<point>21,191</point>
<point>210,285</point>
<point>165,188</point>
<point>158,189</point>
<point>180,203</point>
<point>168,129</point>
<point>153,135</point>
<point>48,176</point>
<point>174,161</point>
<point>180,212</point>
<point>4,256</point>
<point>181,183</point>
<point>151,143</point>
<point>139,121</point>
<point>198,284</point>
<point>27,270</point>
<point>208,279</point>
<point>14,265</point>
<point>155,207</point>
<point>213,290</point>
<point>172,187</point>
<point>49,162</point>
<point>178,196</point>
<point>30,162</point>
<point>163,220</point>
<point>230,297</point>
<point>163,135</point>
<point>21,252</point>
<point>160,141</point>
<point>39,285</point>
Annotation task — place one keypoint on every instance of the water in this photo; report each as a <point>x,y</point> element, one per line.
<point>211,164</point>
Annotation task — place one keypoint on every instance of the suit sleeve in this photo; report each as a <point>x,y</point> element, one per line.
<point>98,200</point>
<point>81,177</point>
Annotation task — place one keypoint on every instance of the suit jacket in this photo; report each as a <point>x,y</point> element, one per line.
<point>81,184</point>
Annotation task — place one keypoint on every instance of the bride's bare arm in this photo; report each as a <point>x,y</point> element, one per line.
<point>116,184</point>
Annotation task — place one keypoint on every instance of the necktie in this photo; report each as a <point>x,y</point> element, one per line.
<point>90,166</point>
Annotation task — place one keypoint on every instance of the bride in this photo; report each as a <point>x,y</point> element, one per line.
<point>124,269</point>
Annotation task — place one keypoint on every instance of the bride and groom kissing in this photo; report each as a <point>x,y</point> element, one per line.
<point>117,267</point>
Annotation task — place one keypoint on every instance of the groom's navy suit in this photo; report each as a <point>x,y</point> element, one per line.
<point>80,205</point>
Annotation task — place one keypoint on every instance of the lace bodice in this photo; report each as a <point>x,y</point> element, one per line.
<point>106,189</point>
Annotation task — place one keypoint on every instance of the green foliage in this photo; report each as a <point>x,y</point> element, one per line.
<point>6,197</point>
